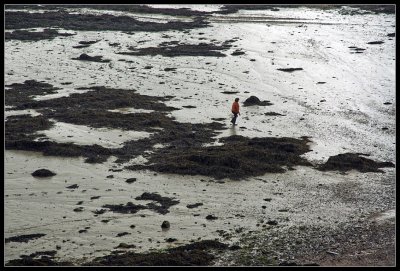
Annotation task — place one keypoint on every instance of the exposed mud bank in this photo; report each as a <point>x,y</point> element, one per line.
<point>87,22</point>
<point>24,35</point>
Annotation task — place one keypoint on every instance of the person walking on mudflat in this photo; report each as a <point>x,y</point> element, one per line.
<point>235,110</point>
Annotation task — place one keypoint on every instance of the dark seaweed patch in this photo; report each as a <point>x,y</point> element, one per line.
<point>273,114</point>
<point>134,8</point>
<point>348,161</point>
<point>290,69</point>
<point>88,42</point>
<point>85,57</point>
<point>89,109</point>
<point>23,127</point>
<point>43,261</point>
<point>201,49</point>
<point>18,94</point>
<point>24,238</point>
<point>102,98</point>
<point>24,35</point>
<point>46,259</point>
<point>81,46</point>
<point>191,206</point>
<point>129,208</point>
<point>230,92</point>
<point>88,22</point>
<point>238,158</point>
<point>165,202</point>
<point>195,254</point>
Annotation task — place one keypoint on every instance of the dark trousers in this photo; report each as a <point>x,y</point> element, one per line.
<point>234,118</point>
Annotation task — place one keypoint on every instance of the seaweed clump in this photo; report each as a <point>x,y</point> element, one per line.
<point>86,57</point>
<point>130,208</point>
<point>195,254</point>
<point>42,261</point>
<point>18,94</point>
<point>348,161</point>
<point>24,35</point>
<point>24,238</point>
<point>238,158</point>
<point>201,49</point>
<point>88,22</point>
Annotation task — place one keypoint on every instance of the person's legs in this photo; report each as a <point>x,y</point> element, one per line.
<point>234,118</point>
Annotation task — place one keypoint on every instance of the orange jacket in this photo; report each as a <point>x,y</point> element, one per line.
<point>235,107</point>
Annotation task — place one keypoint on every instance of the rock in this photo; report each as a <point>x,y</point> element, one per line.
<point>190,206</point>
<point>85,57</point>
<point>253,100</point>
<point>211,217</point>
<point>170,240</point>
<point>165,225</point>
<point>131,180</point>
<point>72,186</point>
<point>43,173</point>
<point>272,222</point>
